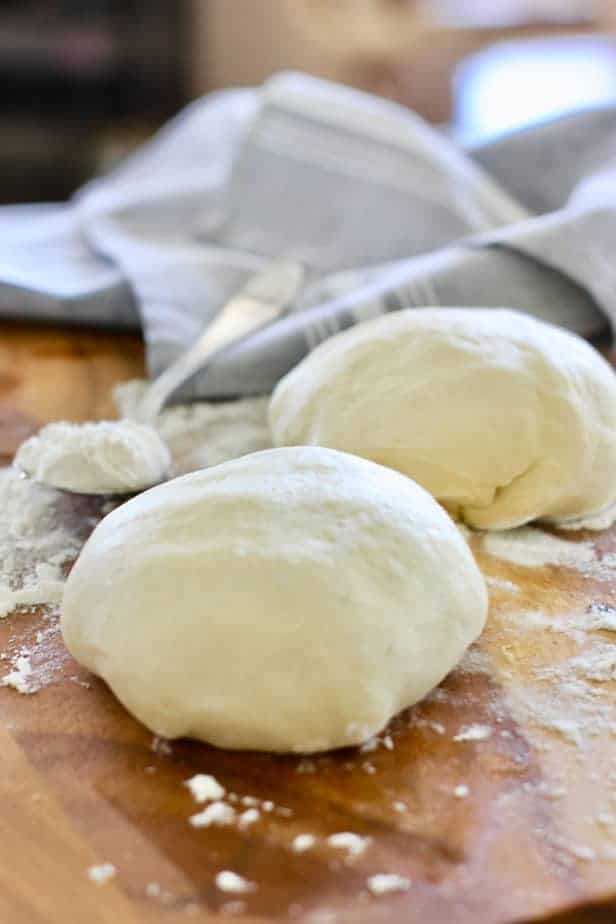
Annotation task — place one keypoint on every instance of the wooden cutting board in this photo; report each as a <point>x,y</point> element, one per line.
<point>530,834</point>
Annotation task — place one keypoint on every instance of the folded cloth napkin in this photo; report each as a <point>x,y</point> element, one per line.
<point>384,211</point>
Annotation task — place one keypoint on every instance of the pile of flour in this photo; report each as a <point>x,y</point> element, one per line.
<point>203,434</point>
<point>105,457</point>
<point>35,542</point>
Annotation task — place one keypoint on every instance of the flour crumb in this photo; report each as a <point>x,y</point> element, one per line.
<point>217,813</point>
<point>501,584</point>
<point>437,727</point>
<point>601,617</point>
<point>461,791</point>
<point>303,842</point>
<point>386,883</point>
<point>306,766</point>
<point>153,889</point>
<point>475,661</point>
<point>161,745</point>
<point>204,788</point>
<point>582,852</point>
<point>606,819</point>
<point>228,881</point>
<point>354,844</point>
<point>250,801</point>
<point>101,873</point>
<point>368,746</point>
<point>399,806</point>
<point>284,811</point>
<point>248,818</point>
<point>20,678</point>
<point>473,733</point>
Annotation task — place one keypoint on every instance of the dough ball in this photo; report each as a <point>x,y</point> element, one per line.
<point>108,457</point>
<point>502,418</point>
<point>291,600</point>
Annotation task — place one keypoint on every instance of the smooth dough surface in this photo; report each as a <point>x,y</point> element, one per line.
<point>106,457</point>
<point>503,418</point>
<point>291,600</point>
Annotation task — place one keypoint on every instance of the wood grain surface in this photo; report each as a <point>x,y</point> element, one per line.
<point>83,783</point>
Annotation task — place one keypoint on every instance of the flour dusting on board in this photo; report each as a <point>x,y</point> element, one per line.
<point>532,547</point>
<point>41,532</point>
<point>35,542</point>
<point>568,697</point>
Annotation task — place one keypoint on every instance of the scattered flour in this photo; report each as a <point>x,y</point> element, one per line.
<point>217,813</point>
<point>601,617</point>
<point>386,883</point>
<point>101,873</point>
<point>437,727</point>
<point>496,583</point>
<point>473,733</point>
<point>306,765</point>
<point>38,663</point>
<point>20,678</point>
<point>596,664</point>
<point>161,745</point>
<point>354,844</point>
<point>475,661</point>
<point>228,881</point>
<point>303,842</point>
<point>461,791</point>
<point>248,818</point>
<point>376,742</point>
<point>205,788</point>
<point>598,618</point>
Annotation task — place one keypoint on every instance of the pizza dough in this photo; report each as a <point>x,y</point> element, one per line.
<point>502,418</point>
<point>108,457</point>
<point>291,600</point>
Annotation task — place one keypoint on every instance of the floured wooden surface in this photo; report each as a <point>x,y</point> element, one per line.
<point>495,798</point>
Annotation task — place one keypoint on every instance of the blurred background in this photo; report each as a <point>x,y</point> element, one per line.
<point>85,81</point>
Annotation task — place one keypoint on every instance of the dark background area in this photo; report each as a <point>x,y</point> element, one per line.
<point>80,79</point>
<point>85,81</point>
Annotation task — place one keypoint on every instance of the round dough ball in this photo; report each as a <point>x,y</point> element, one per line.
<point>502,418</point>
<point>106,457</point>
<point>290,600</point>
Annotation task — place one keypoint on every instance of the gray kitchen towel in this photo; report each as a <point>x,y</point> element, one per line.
<point>384,211</point>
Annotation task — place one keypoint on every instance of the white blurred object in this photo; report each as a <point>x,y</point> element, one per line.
<point>512,84</point>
